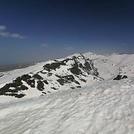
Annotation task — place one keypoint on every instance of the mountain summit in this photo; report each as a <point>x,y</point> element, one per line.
<point>75,71</point>
<point>71,72</point>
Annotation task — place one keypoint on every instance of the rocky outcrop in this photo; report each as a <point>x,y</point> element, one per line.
<point>119,77</point>
<point>55,75</point>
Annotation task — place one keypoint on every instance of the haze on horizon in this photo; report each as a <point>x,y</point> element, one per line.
<point>34,30</point>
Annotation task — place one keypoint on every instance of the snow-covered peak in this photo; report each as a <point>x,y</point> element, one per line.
<point>74,71</point>
<point>44,78</point>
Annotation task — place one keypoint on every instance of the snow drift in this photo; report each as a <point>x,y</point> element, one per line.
<point>105,108</point>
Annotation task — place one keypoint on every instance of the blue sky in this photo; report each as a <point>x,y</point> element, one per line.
<point>33,30</point>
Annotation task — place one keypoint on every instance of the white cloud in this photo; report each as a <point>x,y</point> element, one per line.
<point>4,34</point>
<point>44,45</point>
<point>7,34</point>
<point>16,35</point>
<point>2,27</point>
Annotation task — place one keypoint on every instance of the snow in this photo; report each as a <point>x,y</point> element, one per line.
<point>99,107</point>
<point>11,75</point>
<point>109,65</point>
<point>104,108</point>
<point>53,76</point>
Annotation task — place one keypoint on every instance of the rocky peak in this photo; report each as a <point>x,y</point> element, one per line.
<point>71,72</point>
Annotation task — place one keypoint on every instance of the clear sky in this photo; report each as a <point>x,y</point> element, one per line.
<point>32,30</point>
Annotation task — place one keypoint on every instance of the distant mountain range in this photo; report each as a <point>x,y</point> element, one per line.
<point>10,67</point>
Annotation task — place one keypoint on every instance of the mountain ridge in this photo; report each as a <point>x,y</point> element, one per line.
<point>70,72</point>
<point>74,71</point>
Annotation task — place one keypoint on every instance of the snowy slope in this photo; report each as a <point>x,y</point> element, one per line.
<point>110,65</point>
<point>75,71</point>
<point>11,75</point>
<point>80,94</point>
<point>44,78</point>
<point>105,108</point>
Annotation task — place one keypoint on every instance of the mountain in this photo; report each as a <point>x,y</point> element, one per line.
<point>75,71</point>
<point>71,72</point>
<point>79,94</point>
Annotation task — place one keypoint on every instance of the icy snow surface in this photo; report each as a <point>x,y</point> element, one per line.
<point>105,108</point>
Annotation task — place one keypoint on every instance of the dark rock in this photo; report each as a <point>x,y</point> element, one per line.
<point>53,66</point>
<point>66,79</point>
<point>15,95</point>
<point>119,77</point>
<point>18,81</point>
<point>31,83</point>
<point>45,81</point>
<point>54,88</point>
<point>43,72</point>
<point>61,81</point>
<point>83,80</point>
<point>58,76</point>
<point>19,95</point>
<point>12,92</point>
<point>87,66</point>
<point>49,74</point>
<point>75,70</point>
<point>40,85</point>
<point>78,86</point>
<point>77,82</point>
<point>25,77</point>
<point>124,77</point>
<point>44,92</point>
<point>72,87</point>
<point>37,76</point>
<point>22,87</point>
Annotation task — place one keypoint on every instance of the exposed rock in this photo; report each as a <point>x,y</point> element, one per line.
<point>54,88</point>
<point>18,81</point>
<point>37,76</point>
<point>25,77</point>
<point>74,70</point>
<point>119,77</point>
<point>40,85</point>
<point>72,87</point>
<point>53,66</point>
<point>78,86</point>
<point>6,90</point>
<point>31,83</point>
<point>45,81</point>
<point>49,74</point>
<point>83,80</point>
<point>66,79</point>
